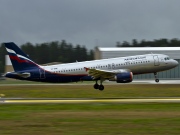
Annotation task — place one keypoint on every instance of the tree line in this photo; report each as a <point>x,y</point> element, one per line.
<point>155,43</point>
<point>51,52</point>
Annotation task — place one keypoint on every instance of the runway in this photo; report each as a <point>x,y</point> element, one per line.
<point>24,83</point>
<point>84,100</point>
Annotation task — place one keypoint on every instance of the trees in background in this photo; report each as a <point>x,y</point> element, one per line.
<point>2,58</point>
<point>57,52</point>
<point>156,43</point>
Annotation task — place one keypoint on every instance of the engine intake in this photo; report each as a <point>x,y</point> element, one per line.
<point>125,77</point>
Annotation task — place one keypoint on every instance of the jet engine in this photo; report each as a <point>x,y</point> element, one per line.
<point>125,77</point>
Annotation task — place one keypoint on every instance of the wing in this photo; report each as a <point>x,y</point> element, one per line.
<point>106,74</point>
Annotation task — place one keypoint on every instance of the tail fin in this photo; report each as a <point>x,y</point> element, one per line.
<point>19,59</point>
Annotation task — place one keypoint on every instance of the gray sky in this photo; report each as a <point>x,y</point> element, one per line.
<point>88,22</point>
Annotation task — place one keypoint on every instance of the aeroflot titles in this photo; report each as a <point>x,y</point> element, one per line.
<point>135,58</point>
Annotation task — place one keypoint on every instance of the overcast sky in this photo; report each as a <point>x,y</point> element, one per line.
<point>88,22</point>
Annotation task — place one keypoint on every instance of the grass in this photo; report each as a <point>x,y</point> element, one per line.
<point>87,91</point>
<point>88,119</point>
<point>13,81</point>
<point>80,119</point>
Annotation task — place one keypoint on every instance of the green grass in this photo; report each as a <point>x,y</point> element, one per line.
<point>87,91</point>
<point>90,119</point>
<point>80,119</point>
<point>13,81</point>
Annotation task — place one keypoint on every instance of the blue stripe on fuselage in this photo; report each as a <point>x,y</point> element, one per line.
<point>49,76</point>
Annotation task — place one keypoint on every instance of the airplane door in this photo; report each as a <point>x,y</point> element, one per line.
<point>42,74</point>
<point>156,60</point>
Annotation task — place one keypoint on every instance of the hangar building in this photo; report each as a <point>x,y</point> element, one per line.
<point>172,52</point>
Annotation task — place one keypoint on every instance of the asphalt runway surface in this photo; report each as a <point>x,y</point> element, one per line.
<point>105,83</point>
<point>85,100</point>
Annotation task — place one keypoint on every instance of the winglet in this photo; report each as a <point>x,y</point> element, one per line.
<point>86,69</point>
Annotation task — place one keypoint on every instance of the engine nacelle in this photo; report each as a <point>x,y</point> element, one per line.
<point>125,77</point>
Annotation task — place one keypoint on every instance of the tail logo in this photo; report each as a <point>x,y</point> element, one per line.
<point>19,58</point>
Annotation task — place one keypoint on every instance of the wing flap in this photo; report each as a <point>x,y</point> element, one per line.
<point>97,73</point>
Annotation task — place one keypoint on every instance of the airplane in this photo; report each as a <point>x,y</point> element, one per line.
<point>119,69</point>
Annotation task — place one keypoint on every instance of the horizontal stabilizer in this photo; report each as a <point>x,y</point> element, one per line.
<point>23,75</point>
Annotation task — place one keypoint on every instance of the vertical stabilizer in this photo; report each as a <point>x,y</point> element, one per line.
<point>19,59</point>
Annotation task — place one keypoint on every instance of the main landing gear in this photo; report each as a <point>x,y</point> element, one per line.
<point>97,86</point>
<point>156,79</point>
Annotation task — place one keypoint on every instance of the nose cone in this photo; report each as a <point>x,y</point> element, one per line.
<point>174,63</point>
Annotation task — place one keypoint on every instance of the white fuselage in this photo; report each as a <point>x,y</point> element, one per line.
<point>139,64</point>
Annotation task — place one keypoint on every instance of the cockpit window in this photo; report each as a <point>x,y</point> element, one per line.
<point>167,58</point>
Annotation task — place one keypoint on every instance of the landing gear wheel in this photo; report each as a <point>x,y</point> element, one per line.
<point>157,80</point>
<point>101,87</point>
<point>155,76</point>
<point>96,86</point>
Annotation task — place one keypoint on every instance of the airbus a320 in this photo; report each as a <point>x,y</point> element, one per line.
<point>119,69</point>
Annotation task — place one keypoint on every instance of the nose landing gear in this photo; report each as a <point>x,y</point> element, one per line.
<point>156,79</point>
